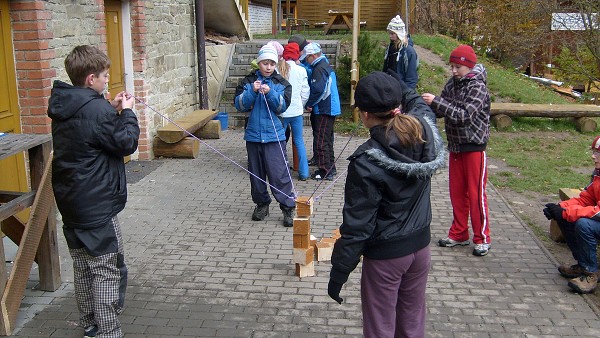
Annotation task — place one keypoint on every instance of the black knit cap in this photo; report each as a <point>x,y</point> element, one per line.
<point>377,92</point>
<point>299,39</point>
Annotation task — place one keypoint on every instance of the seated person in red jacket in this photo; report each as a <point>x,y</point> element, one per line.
<point>579,221</point>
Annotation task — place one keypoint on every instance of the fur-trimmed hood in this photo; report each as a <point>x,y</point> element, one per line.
<point>405,162</point>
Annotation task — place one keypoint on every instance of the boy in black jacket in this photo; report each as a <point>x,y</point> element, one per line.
<point>90,137</point>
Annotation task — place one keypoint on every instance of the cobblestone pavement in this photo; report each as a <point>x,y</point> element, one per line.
<point>199,267</point>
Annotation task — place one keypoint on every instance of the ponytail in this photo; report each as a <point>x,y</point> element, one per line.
<point>284,68</point>
<point>407,128</point>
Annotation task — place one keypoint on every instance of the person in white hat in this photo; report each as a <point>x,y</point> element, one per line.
<point>324,105</point>
<point>400,56</point>
<point>264,95</point>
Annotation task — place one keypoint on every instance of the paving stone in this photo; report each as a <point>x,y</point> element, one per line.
<point>199,267</point>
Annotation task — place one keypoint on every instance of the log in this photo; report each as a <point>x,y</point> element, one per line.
<point>544,110</point>
<point>172,133</point>
<point>585,124</point>
<point>501,121</point>
<point>211,130</point>
<point>189,147</point>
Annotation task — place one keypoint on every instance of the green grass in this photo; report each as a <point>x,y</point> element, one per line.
<point>542,163</point>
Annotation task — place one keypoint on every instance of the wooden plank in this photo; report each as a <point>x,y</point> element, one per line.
<point>10,208</point>
<point>15,288</point>
<point>172,133</point>
<point>47,253</point>
<point>545,110</point>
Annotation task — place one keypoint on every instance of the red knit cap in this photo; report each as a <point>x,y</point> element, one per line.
<point>464,55</point>
<point>291,51</point>
<point>596,144</point>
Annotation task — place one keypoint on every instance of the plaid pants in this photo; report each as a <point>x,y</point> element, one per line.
<point>100,281</point>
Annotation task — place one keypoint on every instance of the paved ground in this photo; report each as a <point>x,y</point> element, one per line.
<point>199,267</point>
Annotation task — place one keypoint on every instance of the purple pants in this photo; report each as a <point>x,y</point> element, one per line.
<point>393,295</point>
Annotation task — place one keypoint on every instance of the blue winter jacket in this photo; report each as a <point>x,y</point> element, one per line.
<point>324,98</point>
<point>263,126</point>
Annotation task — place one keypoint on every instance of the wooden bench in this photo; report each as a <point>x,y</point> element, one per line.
<point>174,139</point>
<point>564,194</point>
<point>501,113</point>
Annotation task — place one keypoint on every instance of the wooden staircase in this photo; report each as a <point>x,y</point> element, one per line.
<point>227,16</point>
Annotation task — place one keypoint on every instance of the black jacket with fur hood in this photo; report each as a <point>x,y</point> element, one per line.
<point>387,209</point>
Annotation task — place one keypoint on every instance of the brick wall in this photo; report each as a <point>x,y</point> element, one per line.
<point>163,54</point>
<point>33,57</point>
<point>260,19</point>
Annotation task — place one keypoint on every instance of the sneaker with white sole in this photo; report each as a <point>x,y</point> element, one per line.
<point>449,242</point>
<point>90,332</point>
<point>481,249</point>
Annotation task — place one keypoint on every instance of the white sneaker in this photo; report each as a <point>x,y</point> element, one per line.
<point>449,242</point>
<point>481,249</point>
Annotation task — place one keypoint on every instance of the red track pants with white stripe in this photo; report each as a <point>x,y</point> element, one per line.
<point>468,179</point>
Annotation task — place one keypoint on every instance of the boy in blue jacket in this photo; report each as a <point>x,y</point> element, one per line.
<point>264,94</point>
<point>324,105</point>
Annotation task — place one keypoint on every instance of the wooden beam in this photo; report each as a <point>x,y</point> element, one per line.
<point>186,125</point>
<point>545,110</point>
<point>189,147</point>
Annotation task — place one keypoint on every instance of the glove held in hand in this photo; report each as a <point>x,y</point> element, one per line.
<point>333,289</point>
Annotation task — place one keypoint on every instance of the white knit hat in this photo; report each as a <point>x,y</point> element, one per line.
<point>267,52</point>
<point>397,26</point>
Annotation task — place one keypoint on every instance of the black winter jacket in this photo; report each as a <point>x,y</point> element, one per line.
<point>387,210</point>
<point>90,140</point>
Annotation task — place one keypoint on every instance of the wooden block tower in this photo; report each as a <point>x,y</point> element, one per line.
<point>304,250</point>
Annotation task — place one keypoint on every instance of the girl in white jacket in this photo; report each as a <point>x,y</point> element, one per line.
<point>297,77</point>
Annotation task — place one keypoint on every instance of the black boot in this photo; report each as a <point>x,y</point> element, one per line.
<point>288,216</point>
<point>260,212</point>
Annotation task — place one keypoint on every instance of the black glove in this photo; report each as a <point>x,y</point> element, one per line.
<point>553,211</point>
<point>333,289</point>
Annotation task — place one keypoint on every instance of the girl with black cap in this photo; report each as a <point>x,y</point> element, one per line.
<point>387,210</point>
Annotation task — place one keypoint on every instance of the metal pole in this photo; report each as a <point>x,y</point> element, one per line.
<point>406,14</point>
<point>201,54</point>
<point>354,76</point>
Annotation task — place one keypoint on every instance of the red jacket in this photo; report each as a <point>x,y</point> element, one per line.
<point>586,205</point>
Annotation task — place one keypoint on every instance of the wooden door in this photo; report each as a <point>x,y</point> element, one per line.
<point>114,42</point>
<point>13,175</point>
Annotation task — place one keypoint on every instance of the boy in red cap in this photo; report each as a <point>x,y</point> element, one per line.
<point>465,106</point>
<point>579,220</point>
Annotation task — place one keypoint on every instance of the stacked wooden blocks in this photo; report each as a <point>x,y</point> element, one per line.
<point>306,246</point>
<point>304,252</point>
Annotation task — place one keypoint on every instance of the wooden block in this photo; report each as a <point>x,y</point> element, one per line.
<point>336,234</point>
<point>313,240</point>
<point>501,121</point>
<point>193,121</point>
<point>302,226</point>
<point>211,130</point>
<point>304,256</point>
<point>301,241</point>
<point>555,233</point>
<point>307,270</point>
<point>328,240</point>
<point>304,206</point>
<point>324,251</point>
<point>189,147</point>
<point>568,193</point>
